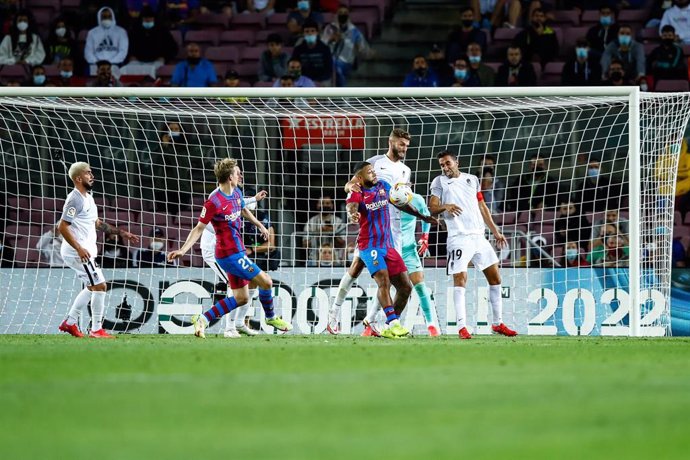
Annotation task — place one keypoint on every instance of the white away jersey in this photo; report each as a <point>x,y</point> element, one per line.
<point>393,173</point>
<point>80,211</point>
<point>461,191</point>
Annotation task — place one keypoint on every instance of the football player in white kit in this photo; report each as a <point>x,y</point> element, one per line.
<point>389,168</point>
<point>458,197</point>
<point>78,227</point>
<point>235,326</point>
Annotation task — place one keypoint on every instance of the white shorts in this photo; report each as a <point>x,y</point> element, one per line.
<point>464,249</point>
<point>210,259</point>
<point>89,273</point>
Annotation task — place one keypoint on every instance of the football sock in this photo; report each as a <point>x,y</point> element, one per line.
<point>343,288</point>
<point>222,307</point>
<point>390,314</point>
<point>459,301</point>
<point>424,301</point>
<point>371,314</point>
<point>266,299</point>
<point>97,309</point>
<point>496,304</point>
<point>81,301</point>
<point>244,309</point>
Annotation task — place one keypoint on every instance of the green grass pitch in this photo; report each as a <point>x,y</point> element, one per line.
<point>324,397</point>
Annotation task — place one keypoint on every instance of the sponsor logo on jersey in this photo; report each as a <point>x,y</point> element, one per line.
<point>375,205</point>
<point>232,217</point>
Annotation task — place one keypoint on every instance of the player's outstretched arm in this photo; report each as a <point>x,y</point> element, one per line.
<point>489,221</point>
<point>66,233</point>
<point>247,214</point>
<point>110,230</point>
<point>192,238</point>
<point>436,208</point>
<point>407,208</point>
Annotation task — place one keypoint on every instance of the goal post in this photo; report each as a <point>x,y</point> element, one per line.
<point>300,144</point>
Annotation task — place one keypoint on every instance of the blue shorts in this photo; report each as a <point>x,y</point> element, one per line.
<point>377,259</point>
<point>411,259</point>
<point>240,269</point>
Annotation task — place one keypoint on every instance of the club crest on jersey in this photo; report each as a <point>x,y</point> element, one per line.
<point>468,181</point>
<point>376,262</point>
<point>382,192</point>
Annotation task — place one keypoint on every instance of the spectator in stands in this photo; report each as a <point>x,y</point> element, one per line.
<point>286,81</point>
<point>678,16</point>
<point>104,76</point>
<point>135,9</point>
<point>489,191</point>
<point>266,7</point>
<point>152,45</point>
<point>515,71</point>
<point>114,254</point>
<point>66,75</point>
<point>534,189</point>
<point>570,224</point>
<point>298,17</point>
<point>611,251</point>
<point>629,52</point>
<point>6,253</point>
<point>264,252</point>
<point>582,69</point>
<point>572,257</point>
<point>421,75</point>
<point>461,73</point>
<point>612,217</point>
<point>324,227</point>
<point>38,76</point>
<point>616,75</point>
<point>460,37</point>
<point>217,6</point>
<point>439,65</point>
<point>195,71</point>
<point>295,71</point>
<point>273,61</point>
<point>600,35</point>
<point>315,55</point>
<point>596,192</point>
<point>480,74</point>
<point>232,79</point>
<point>678,253</point>
<point>667,62</point>
<point>49,246</point>
<point>180,14</point>
<point>538,42</point>
<point>488,163</point>
<point>22,45</point>
<point>327,256</point>
<point>155,254</point>
<point>106,42</point>
<point>490,14</point>
<point>61,43</point>
<point>347,44</point>
<point>170,161</point>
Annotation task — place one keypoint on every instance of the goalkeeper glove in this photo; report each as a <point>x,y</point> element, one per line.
<point>423,245</point>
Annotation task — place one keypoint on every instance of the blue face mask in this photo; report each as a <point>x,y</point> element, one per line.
<point>624,40</point>
<point>310,39</point>
<point>303,5</point>
<point>148,24</point>
<point>39,79</point>
<point>460,74</point>
<point>571,253</point>
<point>593,172</point>
<point>475,59</point>
<point>581,53</point>
<point>606,20</point>
<point>65,74</point>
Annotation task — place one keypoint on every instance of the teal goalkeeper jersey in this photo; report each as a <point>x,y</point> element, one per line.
<point>408,223</point>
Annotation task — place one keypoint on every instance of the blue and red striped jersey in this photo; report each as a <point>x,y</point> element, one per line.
<point>225,214</point>
<point>374,216</point>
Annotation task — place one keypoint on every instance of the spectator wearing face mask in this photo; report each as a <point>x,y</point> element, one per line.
<point>667,61</point>
<point>49,245</point>
<point>38,76</point>
<point>315,55</point>
<point>328,256</point>
<point>600,35</point>
<point>538,42</point>
<point>464,34</point>
<point>480,74</point>
<point>155,254</point>
<point>347,44</point>
<point>461,73</point>
<point>297,80</point>
<point>572,257</point>
<point>171,163</point>
<point>66,76</point>
<point>297,18</point>
<point>421,75</point>
<point>106,42</point>
<point>115,255</point>
<point>596,193</point>
<point>612,217</point>
<point>678,16</point>
<point>22,45</point>
<point>629,52</point>
<point>582,69</point>
<point>616,75</point>
<point>151,45</point>
<point>61,44</point>
<point>195,71</point>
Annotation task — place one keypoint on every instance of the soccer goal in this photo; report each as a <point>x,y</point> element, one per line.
<point>580,180</point>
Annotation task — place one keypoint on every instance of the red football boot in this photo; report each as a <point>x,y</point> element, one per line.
<point>71,329</point>
<point>100,334</point>
<point>502,329</point>
<point>464,334</point>
<point>433,331</point>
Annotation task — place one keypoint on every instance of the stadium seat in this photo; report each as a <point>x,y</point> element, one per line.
<point>70,4</point>
<point>131,204</point>
<point>277,22</point>
<point>649,34</point>
<point>248,21</point>
<point>43,16</point>
<point>672,86</point>
<point>589,18</point>
<point>570,36</point>
<point>14,71</point>
<point>165,71</point>
<point>245,37</point>
<point>246,70</point>
<point>202,37</point>
<point>177,36</point>
<point>223,54</point>
<point>629,16</point>
<point>212,21</point>
<point>263,84</point>
<point>252,53</point>
<point>566,18</point>
<point>552,73</point>
<point>379,5</point>
<point>493,65</point>
<point>686,50</point>
<point>262,35</point>
<point>503,36</point>
<point>677,218</point>
<point>367,18</point>
<point>26,257</point>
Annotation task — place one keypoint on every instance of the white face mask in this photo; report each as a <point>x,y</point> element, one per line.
<point>156,245</point>
<point>60,32</point>
<point>107,23</point>
<point>22,26</point>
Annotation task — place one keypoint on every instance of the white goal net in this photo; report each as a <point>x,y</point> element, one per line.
<point>581,182</point>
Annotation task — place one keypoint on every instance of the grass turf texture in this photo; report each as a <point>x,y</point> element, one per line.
<point>164,397</point>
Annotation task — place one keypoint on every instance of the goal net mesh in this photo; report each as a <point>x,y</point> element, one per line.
<point>555,172</point>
